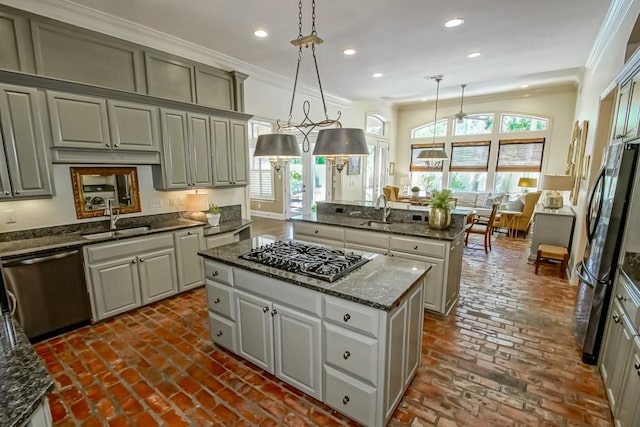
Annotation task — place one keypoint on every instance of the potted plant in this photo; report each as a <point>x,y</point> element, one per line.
<point>213,216</point>
<point>415,190</point>
<point>440,210</point>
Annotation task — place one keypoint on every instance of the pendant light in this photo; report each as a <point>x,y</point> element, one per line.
<point>433,152</point>
<point>337,143</point>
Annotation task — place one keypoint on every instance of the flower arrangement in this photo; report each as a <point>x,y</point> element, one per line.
<point>441,199</point>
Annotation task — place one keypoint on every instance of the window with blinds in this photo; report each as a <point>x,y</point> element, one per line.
<point>419,165</point>
<point>261,176</point>
<point>470,156</point>
<point>520,155</point>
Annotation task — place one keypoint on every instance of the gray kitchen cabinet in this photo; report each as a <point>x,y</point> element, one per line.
<point>115,287</point>
<point>435,279</point>
<point>186,160</point>
<point>15,49</point>
<point>157,275</point>
<point>169,77</point>
<point>297,344</point>
<point>255,329</point>
<point>454,273</point>
<point>214,88</point>
<point>133,126</point>
<point>190,265</point>
<point>221,239</point>
<point>628,412</point>
<point>22,145</point>
<point>230,152</point>
<point>71,53</point>
<point>78,121</point>
<point>319,233</point>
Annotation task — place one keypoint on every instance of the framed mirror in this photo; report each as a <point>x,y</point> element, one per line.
<point>93,186</point>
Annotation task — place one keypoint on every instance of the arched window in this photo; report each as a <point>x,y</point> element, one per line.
<point>476,124</point>
<point>426,131</point>
<point>514,123</point>
<point>375,124</point>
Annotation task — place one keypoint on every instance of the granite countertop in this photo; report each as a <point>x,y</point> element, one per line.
<point>415,229</point>
<point>380,283</point>
<point>75,239</point>
<point>631,266</point>
<point>24,381</point>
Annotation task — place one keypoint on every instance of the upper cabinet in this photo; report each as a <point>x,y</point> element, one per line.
<point>168,77</point>
<point>230,152</point>
<point>87,57</point>
<point>214,88</point>
<point>15,53</point>
<point>24,170</point>
<point>133,126</point>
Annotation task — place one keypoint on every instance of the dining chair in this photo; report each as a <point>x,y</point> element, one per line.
<point>482,228</point>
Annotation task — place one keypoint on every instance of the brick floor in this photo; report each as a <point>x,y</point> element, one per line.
<point>505,356</point>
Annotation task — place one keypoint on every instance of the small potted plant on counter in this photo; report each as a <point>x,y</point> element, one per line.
<point>440,209</point>
<point>213,216</point>
<point>415,190</point>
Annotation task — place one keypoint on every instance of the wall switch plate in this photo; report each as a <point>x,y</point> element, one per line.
<point>10,216</point>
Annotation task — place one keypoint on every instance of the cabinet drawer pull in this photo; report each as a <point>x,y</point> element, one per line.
<point>415,247</point>
<point>316,231</point>
<point>636,365</point>
<point>346,317</point>
<point>620,297</point>
<point>219,333</point>
<point>274,312</point>
<point>217,300</point>
<point>346,355</point>
<point>265,309</point>
<point>616,318</point>
<point>190,233</point>
<point>345,400</point>
<point>215,273</point>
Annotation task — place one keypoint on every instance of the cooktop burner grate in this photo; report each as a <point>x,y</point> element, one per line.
<point>315,261</point>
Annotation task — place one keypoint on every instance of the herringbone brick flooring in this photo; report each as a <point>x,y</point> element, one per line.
<point>505,356</point>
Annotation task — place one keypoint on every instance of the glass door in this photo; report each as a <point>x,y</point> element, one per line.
<point>307,181</point>
<point>376,171</point>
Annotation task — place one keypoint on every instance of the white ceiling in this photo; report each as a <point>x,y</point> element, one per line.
<point>521,41</point>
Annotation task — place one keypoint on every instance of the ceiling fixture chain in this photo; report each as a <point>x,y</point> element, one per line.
<point>433,154</point>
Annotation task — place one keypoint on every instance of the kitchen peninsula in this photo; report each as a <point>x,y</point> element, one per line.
<point>353,342</point>
<point>405,234</point>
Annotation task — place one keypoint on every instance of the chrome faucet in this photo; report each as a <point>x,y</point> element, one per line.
<point>386,210</point>
<point>113,216</point>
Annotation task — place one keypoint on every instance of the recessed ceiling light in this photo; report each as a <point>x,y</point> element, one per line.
<point>473,55</point>
<point>454,22</point>
<point>349,51</point>
<point>377,75</point>
<point>524,86</point>
<point>260,33</point>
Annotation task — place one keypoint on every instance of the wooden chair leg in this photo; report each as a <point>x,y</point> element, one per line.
<point>489,240</point>
<point>485,245</point>
<point>537,263</point>
<point>466,239</point>
<point>563,266</point>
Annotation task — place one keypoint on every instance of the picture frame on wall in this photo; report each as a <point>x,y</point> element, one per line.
<point>353,167</point>
<point>392,168</point>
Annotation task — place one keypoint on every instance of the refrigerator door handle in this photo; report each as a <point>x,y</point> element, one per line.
<point>600,178</point>
<point>580,270</point>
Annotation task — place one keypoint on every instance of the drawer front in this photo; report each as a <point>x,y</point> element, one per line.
<point>353,399</point>
<point>627,295</point>
<point>218,272</point>
<point>319,231</point>
<point>418,246</point>
<point>223,332</point>
<point>352,353</point>
<point>223,239</point>
<point>123,248</point>
<point>351,315</point>
<point>367,238</point>
<point>220,299</point>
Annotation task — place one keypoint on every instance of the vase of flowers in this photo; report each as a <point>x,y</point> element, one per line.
<point>213,216</point>
<point>440,209</point>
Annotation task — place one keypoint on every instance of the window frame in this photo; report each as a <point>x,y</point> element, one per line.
<point>525,116</point>
<point>264,167</point>
<point>438,164</point>
<point>485,168</point>
<point>520,141</point>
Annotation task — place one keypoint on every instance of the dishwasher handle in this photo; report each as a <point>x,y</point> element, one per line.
<point>37,260</point>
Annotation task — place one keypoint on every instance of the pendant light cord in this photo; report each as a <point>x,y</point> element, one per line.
<point>435,116</point>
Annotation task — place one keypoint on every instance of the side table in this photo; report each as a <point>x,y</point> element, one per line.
<point>511,219</point>
<point>551,227</point>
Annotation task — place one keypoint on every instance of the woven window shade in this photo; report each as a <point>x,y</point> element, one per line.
<point>419,165</point>
<point>470,156</point>
<point>520,155</point>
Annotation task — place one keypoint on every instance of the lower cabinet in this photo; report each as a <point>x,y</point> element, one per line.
<point>356,359</point>
<point>157,272</point>
<point>115,286</point>
<point>190,265</point>
<point>41,416</point>
<point>628,411</point>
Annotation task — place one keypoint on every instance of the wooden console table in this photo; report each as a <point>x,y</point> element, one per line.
<point>551,227</point>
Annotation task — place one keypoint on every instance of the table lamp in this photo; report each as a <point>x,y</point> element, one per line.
<point>527,183</point>
<point>404,182</point>
<point>196,204</point>
<point>553,199</point>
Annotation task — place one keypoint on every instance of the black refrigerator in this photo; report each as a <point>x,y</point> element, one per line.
<point>605,218</point>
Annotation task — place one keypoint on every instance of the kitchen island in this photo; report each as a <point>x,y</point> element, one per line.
<point>353,343</point>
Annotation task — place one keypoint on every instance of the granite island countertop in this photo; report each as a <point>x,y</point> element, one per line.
<point>381,283</point>
<point>631,267</point>
<point>415,229</point>
<point>64,240</point>
<point>24,381</point>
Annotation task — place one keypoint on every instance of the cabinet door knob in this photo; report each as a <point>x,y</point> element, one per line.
<point>636,365</point>
<point>133,261</point>
<point>620,297</point>
<point>274,312</point>
<point>219,333</point>
<point>215,273</point>
<point>17,191</point>
<point>616,318</point>
<point>8,193</point>
<point>346,355</point>
<point>415,247</point>
<point>190,233</point>
<point>345,400</point>
<point>141,259</point>
<point>116,145</point>
<point>108,145</point>
<point>217,300</point>
<point>346,317</point>
<point>316,231</point>
<point>265,309</point>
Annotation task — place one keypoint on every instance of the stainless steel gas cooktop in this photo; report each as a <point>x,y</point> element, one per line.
<point>315,261</point>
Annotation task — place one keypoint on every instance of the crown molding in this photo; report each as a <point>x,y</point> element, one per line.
<point>104,23</point>
<point>610,26</point>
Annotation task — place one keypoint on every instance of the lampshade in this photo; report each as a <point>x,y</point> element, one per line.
<point>196,202</point>
<point>557,182</point>
<point>341,142</point>
<point>527,182</point>
<point>277,145</point>
<point>405,180</point>
<point>433,154</point>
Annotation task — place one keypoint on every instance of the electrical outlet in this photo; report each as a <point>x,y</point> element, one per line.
<point>181,201</point>
<point>10,216</point>
<point>172,202</point>
<point>155,203</point>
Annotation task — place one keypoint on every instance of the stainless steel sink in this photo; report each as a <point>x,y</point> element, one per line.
<point>116,233</point>
<point>376,224</point>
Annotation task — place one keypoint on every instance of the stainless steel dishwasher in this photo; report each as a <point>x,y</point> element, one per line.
<point>48,291</point>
